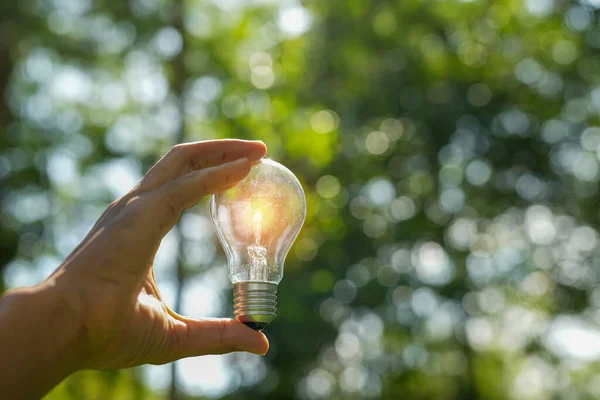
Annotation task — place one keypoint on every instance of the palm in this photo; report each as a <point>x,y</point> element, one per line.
<point>145,330</point>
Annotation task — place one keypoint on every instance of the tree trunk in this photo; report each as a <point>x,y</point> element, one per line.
<point>179,79</point>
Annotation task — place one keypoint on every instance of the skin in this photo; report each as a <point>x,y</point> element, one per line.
<point>101,309</point>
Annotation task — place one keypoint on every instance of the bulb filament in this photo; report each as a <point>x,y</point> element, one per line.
<point>259,270</point>
<point>257,224</point>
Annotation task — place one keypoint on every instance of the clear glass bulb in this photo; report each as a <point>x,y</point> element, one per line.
<point>257,222</point>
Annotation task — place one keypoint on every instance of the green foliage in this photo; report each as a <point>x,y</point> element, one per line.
<point>449,152</point>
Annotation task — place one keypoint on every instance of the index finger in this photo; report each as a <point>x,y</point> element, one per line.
<point>187,157</point>
<point>172,198</point>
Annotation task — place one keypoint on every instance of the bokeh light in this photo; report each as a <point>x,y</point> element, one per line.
<point>449,150</point>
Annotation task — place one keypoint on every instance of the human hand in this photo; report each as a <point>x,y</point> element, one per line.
<point>109,278</point>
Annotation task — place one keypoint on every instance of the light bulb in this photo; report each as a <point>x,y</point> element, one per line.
<point>257,221</point>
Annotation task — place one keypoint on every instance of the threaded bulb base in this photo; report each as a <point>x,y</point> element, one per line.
<point>255,303</point>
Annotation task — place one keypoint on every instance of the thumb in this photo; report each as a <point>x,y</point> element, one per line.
<point>216,336</point>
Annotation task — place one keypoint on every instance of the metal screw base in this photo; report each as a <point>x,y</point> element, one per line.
<point>255,303</point>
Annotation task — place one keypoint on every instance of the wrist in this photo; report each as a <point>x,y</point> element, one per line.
<point>44,339</point>
<point>64,318</point>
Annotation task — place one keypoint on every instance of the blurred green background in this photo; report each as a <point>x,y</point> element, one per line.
<point>450,155</point>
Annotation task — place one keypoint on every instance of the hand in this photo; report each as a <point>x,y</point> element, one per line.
<point>109,277</point>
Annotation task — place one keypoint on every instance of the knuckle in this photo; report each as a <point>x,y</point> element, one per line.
<point>178,148</point>
<point>195,164</point>
<point>111,212</point>
<point>135,206</point>
<point>129,213</point>
<point>118,205</point>
<point>203,187</point>
<point>226,344</point>
<point>176,151</point>
<point>173,346</point>
<point>223,343</point>
<point>172,204</point>
<point>173,208</point>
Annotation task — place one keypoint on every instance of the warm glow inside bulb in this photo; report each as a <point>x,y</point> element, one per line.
<point>258,220</point>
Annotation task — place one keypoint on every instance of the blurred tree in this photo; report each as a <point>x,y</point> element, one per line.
<point>449,151</point>
<point>8,237</point>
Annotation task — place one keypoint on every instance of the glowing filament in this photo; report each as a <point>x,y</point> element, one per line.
<point>257,252</point>
<point>257,225</point>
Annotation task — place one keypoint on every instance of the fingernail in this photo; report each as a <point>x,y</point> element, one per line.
<point>261,142</point>
<point>259,352</point>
